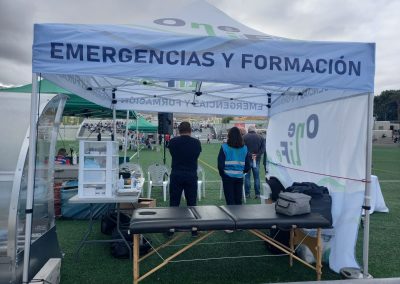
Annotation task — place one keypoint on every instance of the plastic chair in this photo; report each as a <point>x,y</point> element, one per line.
<point>221,189</point>
<point>265,197</point>
<point>156,177</point>
<point>201,183</point>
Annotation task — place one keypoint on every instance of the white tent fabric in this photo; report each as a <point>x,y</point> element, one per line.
<point>192,58</point>
<point>321,143</point>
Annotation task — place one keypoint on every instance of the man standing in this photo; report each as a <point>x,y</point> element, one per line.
<point>184,151</point>
<point>256,148</point>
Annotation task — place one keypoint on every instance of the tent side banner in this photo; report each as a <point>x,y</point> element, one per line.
<point>122,51</point>
<point>325,144</point>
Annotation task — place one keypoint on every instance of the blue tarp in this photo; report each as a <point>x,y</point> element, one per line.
<point>78,211</point>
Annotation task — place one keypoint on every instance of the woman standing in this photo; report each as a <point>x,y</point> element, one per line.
<point>233,162</point>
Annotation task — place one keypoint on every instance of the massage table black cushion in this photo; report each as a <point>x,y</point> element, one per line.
<point>263,216</point>
<point>164,219</point>
<point>208,218</point>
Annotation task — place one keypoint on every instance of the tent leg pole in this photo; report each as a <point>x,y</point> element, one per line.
<point>367,196</point>
<point>114,123</point>
<point>126,135</point>
<point>31,176</point>
<point>137,137</point>
<point>164,149</point>
<point>266,134</point>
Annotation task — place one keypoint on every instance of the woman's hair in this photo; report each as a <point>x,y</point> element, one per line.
<point>235,139</point>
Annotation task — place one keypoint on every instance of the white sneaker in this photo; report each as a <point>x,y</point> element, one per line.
<point>229,231</point>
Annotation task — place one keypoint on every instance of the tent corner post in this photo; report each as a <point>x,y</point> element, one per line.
<point>114,123</point>
<point>126,135</point>
<point>367,201</point>
<point>31,175</point>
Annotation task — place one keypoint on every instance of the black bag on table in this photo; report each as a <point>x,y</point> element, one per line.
<point>276,187</point>
<point>321,201</point>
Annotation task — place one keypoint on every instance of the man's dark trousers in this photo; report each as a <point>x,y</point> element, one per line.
<point>183,182</point>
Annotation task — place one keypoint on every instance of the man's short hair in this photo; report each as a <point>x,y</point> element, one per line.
<point>184,127</point>
<point>252,128</point>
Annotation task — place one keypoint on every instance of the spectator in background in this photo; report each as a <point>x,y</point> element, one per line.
<point>61,158</point>
<point>148,143</point>
<point>167,138</point>
<point>256,147</point>
<point>184,150</point>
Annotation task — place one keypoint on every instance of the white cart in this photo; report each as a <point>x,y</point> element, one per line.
<point>98,169</point>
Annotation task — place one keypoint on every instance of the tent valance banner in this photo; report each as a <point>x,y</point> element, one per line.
<point>128,51</point>
<point>194,59</point>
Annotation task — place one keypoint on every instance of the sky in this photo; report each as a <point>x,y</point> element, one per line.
<point>326,20</point>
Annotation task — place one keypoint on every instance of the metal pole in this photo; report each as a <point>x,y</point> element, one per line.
<point>367,196</point>
<point>126,135</point>
<point>266,134</point>
<point>114,107</point>
<point>31,177</point>
<point>164,149</point>
<point>137,137</point>
<point>114,123</point>
<point>52,154</point>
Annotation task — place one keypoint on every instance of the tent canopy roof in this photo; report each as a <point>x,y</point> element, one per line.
<point>196,59</point>
<point>75,105</point>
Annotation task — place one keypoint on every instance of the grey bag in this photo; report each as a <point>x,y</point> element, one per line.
<point>293,203</point>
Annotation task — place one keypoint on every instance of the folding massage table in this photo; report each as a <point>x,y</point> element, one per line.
<point>229,217</point>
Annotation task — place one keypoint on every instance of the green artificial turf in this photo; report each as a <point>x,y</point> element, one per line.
<point>96,265</point>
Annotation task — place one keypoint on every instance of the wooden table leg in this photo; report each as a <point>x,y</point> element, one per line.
<point>318,261</point>
<point>136,238</point>
<point>291,246</point>
<point>167,260</point>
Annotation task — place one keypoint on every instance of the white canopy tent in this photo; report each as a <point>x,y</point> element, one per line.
<point>192,58</point>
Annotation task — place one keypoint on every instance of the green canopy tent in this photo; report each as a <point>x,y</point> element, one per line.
<point>80,107</point>
<point>75,106</point>
<point>142,125</point>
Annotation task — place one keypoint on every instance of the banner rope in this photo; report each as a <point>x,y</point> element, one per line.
<point>316,173</point>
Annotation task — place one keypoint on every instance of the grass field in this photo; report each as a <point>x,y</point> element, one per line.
<point>96,265</point>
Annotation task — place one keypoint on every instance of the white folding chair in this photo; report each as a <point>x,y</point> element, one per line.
<point>158,175</point>
<point>201,182</point>
<point>221,189</point>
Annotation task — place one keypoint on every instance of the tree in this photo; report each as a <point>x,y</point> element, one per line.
<point>227,119</point>
<point>387,105</point>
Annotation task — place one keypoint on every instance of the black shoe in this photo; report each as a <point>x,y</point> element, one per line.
<point>257,196</point>
<point>169,234</point>
<point>195,234</point>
